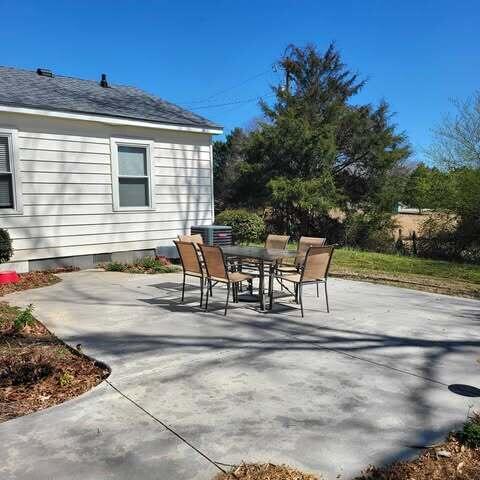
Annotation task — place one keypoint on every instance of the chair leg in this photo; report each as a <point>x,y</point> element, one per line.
<point>209,286</point>
<point>318,295</point>
<point>326,296</point>
<point>300,295</point>
<point>183,287</point>
<point>228,295</point>
<point>201,291</point>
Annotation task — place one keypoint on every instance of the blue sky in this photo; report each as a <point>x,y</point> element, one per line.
<point>203,54</point>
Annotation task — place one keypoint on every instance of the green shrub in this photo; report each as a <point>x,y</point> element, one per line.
<point>143,265</point>
<point>155,265</point>
<point>370,231</point>
<point>115,267</point>
<point>443,236</point>
<point>6,250</point>
<point>470,434</point>
<point>24,318</point>
<point>247,227</point>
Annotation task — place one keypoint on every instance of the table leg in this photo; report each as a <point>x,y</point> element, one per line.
<point>271,271</point>
<point>261,281</point>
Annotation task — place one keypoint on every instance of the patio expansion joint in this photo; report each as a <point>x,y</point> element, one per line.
<point>169,429</point>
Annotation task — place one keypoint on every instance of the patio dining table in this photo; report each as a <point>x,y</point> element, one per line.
<point>264,257</point>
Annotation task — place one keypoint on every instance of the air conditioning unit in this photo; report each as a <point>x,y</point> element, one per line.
<point>214,234</point>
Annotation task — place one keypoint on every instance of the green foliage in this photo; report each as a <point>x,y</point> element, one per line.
<point>63,352</point>
<point>155,265</point>
<point>65,379</point>
<point>6,250</point>
<point>247,227</point>
<point>370,231</point>
<point>298,205</point>
<point>115,267</point>
<point>419,188</point>
<point>314,151</point>
<point>470,434</point>
<point>227,164</point>
<point>143,265</point>
<point>24,318</point>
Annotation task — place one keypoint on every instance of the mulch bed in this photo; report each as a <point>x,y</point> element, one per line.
<point>265,471</point>
<point>448,461</point>
<point>29,280</point>
<point>37,370</point>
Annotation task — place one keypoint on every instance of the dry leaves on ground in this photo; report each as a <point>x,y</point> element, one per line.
<point>37,370</point>
<point>29,280</point>
<point>449,461</point>
<point>265,471</point>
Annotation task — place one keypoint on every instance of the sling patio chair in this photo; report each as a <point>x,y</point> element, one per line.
<point>277,242</point>
<point>218,272</point>
<point>196,238</point>
<point>273,242</point>
<point>314,271</point>
<point>303,245</point>
<point>192,265</point>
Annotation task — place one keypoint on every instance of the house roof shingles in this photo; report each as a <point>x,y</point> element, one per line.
<point>25,88</point>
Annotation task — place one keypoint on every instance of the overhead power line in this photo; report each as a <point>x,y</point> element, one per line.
<point>236,102</point>
<point>221,92</point>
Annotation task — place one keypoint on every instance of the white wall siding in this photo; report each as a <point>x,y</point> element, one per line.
<point>65,170</point>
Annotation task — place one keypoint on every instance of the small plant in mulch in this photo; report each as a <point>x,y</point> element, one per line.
<point>24,319</point>
<point>66,379</point>
<point>37,370</point>
<point>265,471</point>
<point>470,433</point>
<point>149,265</point>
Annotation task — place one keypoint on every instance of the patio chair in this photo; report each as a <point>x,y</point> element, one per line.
<point>191,264</point>
<point>273,242</point>
<point>277,242</point>
<point>303,245</point>
<point>217,271</point>
<point>196,238</point>
<point>314,271</point>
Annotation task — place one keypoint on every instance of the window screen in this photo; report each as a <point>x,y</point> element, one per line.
<point>133,179</point>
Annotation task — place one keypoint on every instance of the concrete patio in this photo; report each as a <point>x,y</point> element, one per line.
<point>329,393</point>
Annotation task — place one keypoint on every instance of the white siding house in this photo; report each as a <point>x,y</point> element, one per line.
<point>79,186</point>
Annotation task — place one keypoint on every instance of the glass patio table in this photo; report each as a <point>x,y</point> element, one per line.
<point>264,257</point>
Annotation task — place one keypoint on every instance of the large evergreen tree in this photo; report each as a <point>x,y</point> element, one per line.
<point>315,149</point>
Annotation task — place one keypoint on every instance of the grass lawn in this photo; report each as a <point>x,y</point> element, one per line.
<point>419,273</point>
<point>451,278</point>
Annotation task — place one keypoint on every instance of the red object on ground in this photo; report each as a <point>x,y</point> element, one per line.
<point>9,277</point>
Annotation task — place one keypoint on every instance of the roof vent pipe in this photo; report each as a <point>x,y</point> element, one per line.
<point>43,72</point>
<point>103,81</point>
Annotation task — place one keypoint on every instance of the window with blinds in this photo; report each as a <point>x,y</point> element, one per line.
<point>6,175</point>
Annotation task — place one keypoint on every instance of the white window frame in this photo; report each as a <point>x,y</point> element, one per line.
<point>116,142</point>
<point>14,158</point>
